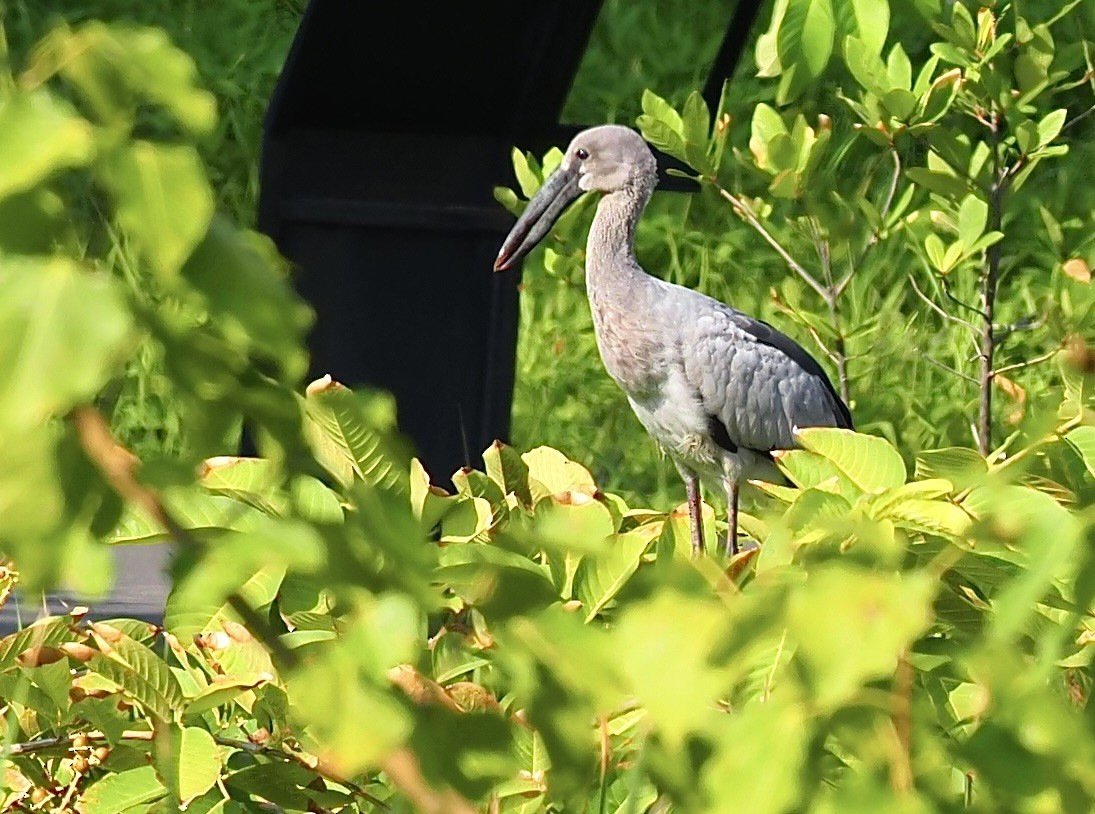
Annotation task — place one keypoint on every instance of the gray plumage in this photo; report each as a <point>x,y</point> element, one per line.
<point>716,389</point>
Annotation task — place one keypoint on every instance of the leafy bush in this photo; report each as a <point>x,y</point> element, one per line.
<point>344,635</point>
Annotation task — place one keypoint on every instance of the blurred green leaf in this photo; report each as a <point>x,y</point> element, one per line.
<point>162,200</point>
<point>599,579</point>
<point>870,618</point>
<point>1082,440</point>
<point>65,332</point>
<point>39,136</point>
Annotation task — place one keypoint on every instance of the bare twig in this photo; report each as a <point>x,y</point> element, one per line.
<point>948,368</point>
<point>1037,360</point>
<point>118,466</point>
<point>750,217</point>
<point>935,307</point>
<point>960,303</point>
<point>1079,117</point>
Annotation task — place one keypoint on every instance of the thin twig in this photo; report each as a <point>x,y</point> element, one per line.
<point>1078,118</point>
<point>948,368</point>
<point>960,303</point>
<point>118,466</point>
<point>935,307</point>
<point>745,212</point>
<point>1037,360</point>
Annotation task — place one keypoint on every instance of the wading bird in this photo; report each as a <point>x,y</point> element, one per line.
<point>718,390</point>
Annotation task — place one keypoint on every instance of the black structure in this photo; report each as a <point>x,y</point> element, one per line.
<point>384,138</point>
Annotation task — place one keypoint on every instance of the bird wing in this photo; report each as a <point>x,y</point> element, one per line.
<point>754,382</point>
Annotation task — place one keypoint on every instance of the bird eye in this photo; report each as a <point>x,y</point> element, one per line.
<point>582,154</point>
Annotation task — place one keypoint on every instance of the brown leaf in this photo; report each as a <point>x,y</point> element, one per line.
<point>1078,269</point>
<point>322,385</point>
<point>471,697</point>
<point>38,655</point>
<point>1016,393</point>
<point>81,652</point>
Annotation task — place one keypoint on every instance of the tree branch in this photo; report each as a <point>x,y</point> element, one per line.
<point>750,217</point>
<point>1037,360</point>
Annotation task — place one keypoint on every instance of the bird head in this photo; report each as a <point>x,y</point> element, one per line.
<point>608,159</point>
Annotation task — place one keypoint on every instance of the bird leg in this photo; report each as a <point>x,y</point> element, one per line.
<point>732,518</point>
<point>695,510</point>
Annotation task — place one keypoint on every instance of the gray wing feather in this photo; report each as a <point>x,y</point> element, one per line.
<point>757,381</point>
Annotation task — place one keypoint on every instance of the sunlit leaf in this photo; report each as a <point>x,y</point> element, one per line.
<point>39,135</point>
<point>869,462</point>
<point>162,199</point>
<point>65,332</point>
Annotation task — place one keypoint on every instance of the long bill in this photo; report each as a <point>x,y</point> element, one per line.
<point>559,191</point>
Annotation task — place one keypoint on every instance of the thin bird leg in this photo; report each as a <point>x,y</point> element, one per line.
<point>695,510</point>
<point>732,518</point>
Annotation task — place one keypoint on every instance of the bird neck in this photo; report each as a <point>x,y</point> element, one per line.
<point>610,253</point>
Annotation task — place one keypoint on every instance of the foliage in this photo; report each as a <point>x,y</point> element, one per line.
<point>345,635</point>
<point>852,210</point>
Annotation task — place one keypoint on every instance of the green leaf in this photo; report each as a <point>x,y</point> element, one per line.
<point>766,54</point>
<point>223,692</point>
<point>804,43</point>
<point>117,66</point>
<point>63,332</point>
<point>246,292</point>
<point>500,582</point>
<point>766,126</point>
<point>865,65</point>
<point>1082,439</point>
<point>961,466</point>
<point>881,613</point>
<point>1026,136</point>
<point>552,473</point>
<point>866,20</point>
<point>120,791</point>
<point>696,120</point>
<point>899,70</point>
<point>197,765</point>
<point>142,674</point>
<point>871,463</point>
<point>972,217</point>
<point>162,200</point>
<point>899,103</point>
<point>780,729</point>
<point>599,579</point>
<point>941,183</point>
<point>1050,127</point>
<point>660,110</point>
<point>657,661</point>
<point>352,435</point>
<point>39,135</point>
<point>252,565</point>
<point>808,470</point>
<point>504,465</point>
<point>47,632</point>
<point>662,136</point>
